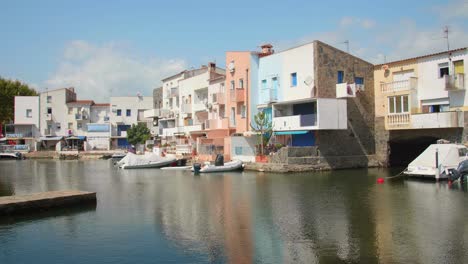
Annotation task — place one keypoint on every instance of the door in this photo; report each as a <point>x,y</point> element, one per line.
<point>274,91</point>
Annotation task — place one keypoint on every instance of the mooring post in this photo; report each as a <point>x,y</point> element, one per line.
<point>437,164</point>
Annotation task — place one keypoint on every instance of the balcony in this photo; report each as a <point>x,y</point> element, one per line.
<point>398,86</point>
<point>424,121</point>
<point>344,90</point>
<point>454,82</point>
<point>237,95</point>
<point>295,122</point>
<point>186,108</point>
<point>152,113</point>
<point>167,114</point>
<point>217,123</point>
<point>219,98</point>
<point>199,127</point>
<point>169,132</point>
<point>200,107</point>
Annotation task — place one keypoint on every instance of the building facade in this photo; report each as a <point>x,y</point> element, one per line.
<point>419,100</point>
<point>125,112</point>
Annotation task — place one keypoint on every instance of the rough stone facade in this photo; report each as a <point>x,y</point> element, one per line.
<point>359,139</point>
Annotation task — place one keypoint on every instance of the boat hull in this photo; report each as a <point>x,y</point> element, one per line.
<point>151,165</point>
<point>229,166</point>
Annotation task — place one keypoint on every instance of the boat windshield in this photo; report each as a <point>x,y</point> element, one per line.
<point>462,152</point>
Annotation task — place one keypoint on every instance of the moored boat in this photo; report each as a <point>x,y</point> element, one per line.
<point>149,160</point>
<point>11,155</point>
<point>437,160</point>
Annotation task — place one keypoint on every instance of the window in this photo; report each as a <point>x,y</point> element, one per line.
<point>129,112</point>
<point>264,84</point>
<point>70,110</point>
<point>243,111</point>
<point>58,126</point>
<point>398,104</point>
<point>233,85</point>
<point>340,78</point>
<point>49,110</point>
<point>70,125</point>
<point>29,113</point>
<point>241,83</point>
<point>358,80</point>
<point>79,125</point>
<point>233,116</point>
<point>49,99</point>
<point>119,112</point>
<point>443,69</point>
<point>293,79</point>
<point>106,118</point>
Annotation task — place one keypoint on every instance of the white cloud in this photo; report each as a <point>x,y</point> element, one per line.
<point>364,23</point>
<point>100,71</point>
<point>453,10</point>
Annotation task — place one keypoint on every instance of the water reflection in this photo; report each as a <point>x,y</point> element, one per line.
<point>329,217</point>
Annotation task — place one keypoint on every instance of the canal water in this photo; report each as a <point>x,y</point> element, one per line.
<point>154,216</point>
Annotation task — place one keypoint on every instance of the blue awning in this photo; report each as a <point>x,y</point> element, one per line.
<point>297,132</point>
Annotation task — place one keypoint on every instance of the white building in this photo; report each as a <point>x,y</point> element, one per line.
<point>125,112</point>
<point>25,130</point>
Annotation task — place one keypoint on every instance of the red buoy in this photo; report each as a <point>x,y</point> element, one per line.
<point>380,180</point>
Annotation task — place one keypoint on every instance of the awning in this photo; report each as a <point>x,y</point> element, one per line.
<point>298,132</point>
<point>50,138</point>
<point>76,138</point>
<point>438,101</point>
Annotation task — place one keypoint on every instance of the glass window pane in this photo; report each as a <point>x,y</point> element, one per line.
<point>405,104</point>
<point>398,104</point>
<point>391,105</point>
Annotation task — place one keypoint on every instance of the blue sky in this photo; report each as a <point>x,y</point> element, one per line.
<point>120,47</point>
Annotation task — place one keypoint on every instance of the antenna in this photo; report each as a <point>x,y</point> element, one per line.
<point>347,45</point>
<point>446,36</point>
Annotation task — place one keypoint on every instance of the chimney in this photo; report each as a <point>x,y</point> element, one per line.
<point>212,66</point>
<point>267,49</point>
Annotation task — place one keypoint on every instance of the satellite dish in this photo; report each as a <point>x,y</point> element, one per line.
<point>309,80</point>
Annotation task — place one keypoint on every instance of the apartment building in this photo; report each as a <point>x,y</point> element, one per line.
<point>318,96</point>
<point>186,107</point>
<point>24,132</point>
<point>154,113</point>
<point>125,112</point>
<point>419,100</point>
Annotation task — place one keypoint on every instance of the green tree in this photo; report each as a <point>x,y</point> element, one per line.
<point>138,134</point>
<point>8,90</point>
<point>263,127</point>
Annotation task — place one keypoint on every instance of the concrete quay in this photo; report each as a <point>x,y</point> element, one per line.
<point>43,201</point>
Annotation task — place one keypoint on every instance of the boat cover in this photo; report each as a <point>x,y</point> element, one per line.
<point>148,158</point>
<point>448,156</point>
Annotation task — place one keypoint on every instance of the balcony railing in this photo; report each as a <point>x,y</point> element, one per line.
<point>151,113</point>
<point>19,135</point>
<point>219,98</point>
<point>401,120</point>
<point>166,113</point>
<point>237,95</point>
<point>216,123</point>
<point>454,82</point>
<point>186,108</point>
<point>398,86</point>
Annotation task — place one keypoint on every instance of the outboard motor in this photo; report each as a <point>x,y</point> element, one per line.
<point>196,168</point>
<point>219,161</point>
<point>460,172</point>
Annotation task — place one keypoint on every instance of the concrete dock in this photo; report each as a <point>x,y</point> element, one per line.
<point>43,201</point>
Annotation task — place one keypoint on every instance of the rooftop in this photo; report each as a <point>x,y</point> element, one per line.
<point>423,56</point>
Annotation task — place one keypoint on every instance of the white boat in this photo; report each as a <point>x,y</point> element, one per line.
<point>148,160</point>
<point>234,165</point>
<point>11,155</point>
<point>436,159</point>
<point>118,156</point>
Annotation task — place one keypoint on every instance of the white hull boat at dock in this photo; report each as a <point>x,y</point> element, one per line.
<point>149,160</point>
<point>436,160</point>
<point>235,165</point>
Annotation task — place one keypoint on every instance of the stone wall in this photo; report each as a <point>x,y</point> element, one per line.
<point>359,139</point>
